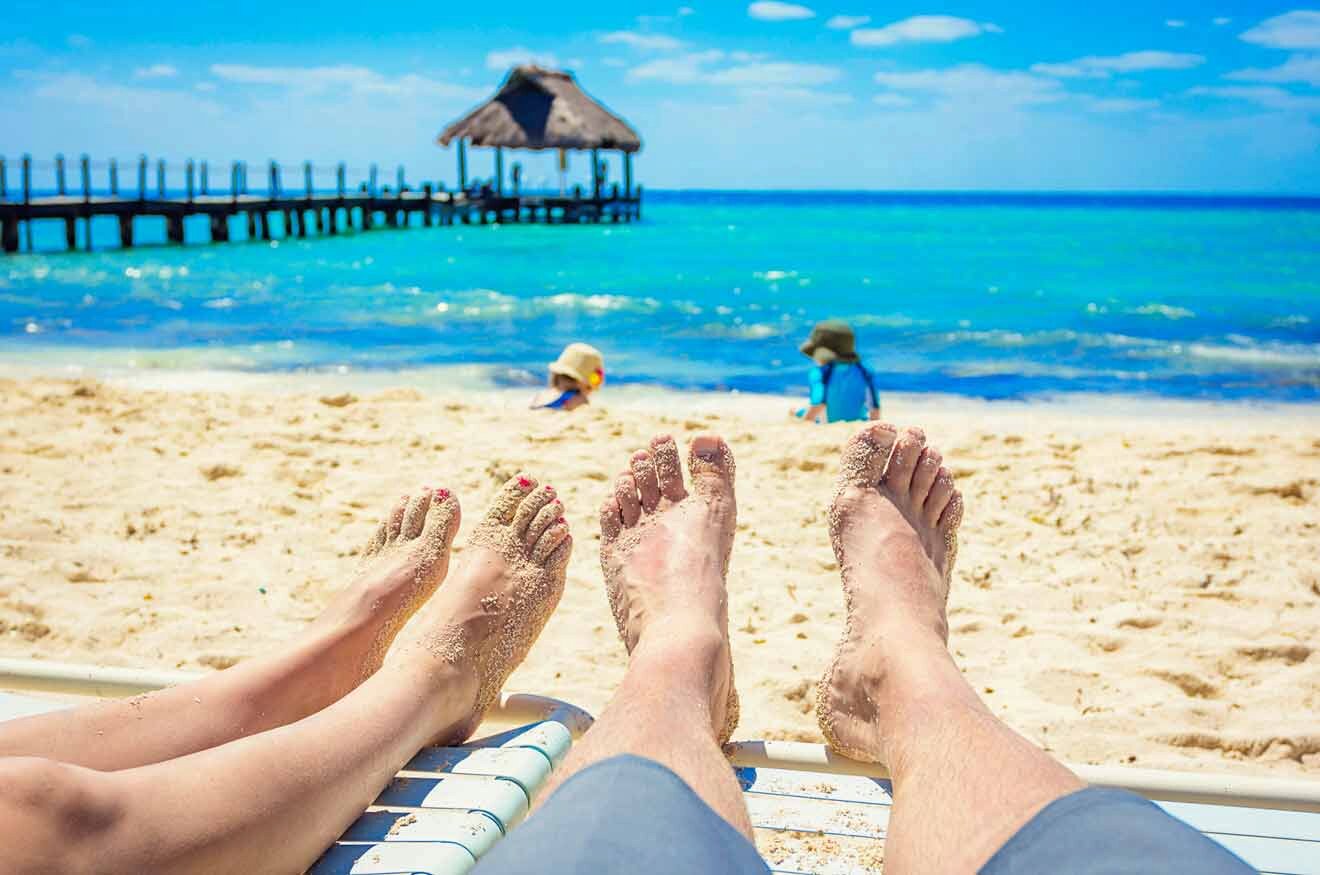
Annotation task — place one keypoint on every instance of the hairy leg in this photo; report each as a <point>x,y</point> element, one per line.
<point>665,555</point>
<point>273,801</point>
<point>964,782</point>
<point>404,562</point>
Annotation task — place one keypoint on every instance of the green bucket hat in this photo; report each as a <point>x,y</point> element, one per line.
<point>831,341</point>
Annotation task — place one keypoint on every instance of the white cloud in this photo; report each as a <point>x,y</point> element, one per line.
<point>1120,104</point>
<point>773,10</point>
<point>847,22</point>
<point>503,59</point>
<point>1174,22</point>
<point>810,95</point>
<point>775,73</point>
<point>655,42</point>
<point>343,78</point>
<point>977,82</point>
<point>155,71</point>
<point>1221,20</point>
<point>739,70</point>
<point>78,41</point>
<point>1298,68</point>
<point>1097,67</point>
<point>892,100</point>
<point>1268,96</point>
<point>1299,29</point>
<point>922,29</point>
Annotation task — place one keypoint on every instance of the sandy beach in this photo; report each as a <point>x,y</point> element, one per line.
<point>1138,583</point>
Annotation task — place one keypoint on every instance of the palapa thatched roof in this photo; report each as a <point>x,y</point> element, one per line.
<point>537,108</point>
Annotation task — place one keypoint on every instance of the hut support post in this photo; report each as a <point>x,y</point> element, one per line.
<point>627,174</point>
<point>595,174</point>
<point>462,165</point>
<point>499,171</point>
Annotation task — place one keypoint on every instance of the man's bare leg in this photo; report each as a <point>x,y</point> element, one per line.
<point>665,554</point>
<point>273,801</point>
<point>964,782</point>
<point>403,563</point>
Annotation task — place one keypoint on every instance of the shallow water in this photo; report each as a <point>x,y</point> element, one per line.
<point>982,295</point>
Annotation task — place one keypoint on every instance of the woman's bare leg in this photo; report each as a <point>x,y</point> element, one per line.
<point>404,562</point>
<point>964,782</point>
<point>665,554</point>
<point>272,802</point>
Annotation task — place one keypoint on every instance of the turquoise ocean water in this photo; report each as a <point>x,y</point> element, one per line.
<point>994,296</point>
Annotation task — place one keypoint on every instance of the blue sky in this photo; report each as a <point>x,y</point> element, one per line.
<point>1220,95</point>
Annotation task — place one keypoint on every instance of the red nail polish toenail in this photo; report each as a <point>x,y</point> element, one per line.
<point>442,494</point>
<point>561,520</point>
<point>550,489</point>
<point>524,483</point>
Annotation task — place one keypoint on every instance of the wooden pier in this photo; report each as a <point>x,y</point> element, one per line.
<point>279,212</point>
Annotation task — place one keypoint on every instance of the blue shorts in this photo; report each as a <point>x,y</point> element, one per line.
<point>629,814</point>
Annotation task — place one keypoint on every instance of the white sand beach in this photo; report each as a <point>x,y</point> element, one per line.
<point>1138,583</point>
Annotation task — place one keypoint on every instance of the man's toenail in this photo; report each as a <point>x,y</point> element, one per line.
<point>561,521</point>
<point>550,489</point>
<point>524,483</point>
<point>442,494</point>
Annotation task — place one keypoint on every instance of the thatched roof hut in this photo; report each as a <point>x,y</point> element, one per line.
<point>537,108</point>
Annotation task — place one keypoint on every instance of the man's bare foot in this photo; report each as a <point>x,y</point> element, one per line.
<point>478,629</point>
<point>893,524</point>
<point>665,554</point>
<point>402,565</point>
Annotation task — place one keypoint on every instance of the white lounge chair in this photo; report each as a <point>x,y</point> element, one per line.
<point>814,811</point>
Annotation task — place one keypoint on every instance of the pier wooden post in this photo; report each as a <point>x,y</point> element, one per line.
<point>428,215</point>
<point>71,233</point>
<point>273,183</point>
<point>233,182</point>
<point>219,228</point>
<point>160,178</point>
<point>27,196</point>
<point>206,180</point>
<point>462,165</point>
<point>371,181</point>
<point>320,220</point>
<point>400,179</point>
<point>263,224</point>
<point>114,177</point>
<point>307,178</point>
<point>142,177</point>
<point>499,170</point>
<point>174,227</point>
<point>251,224</point>
<point>9,235</point>
<point>4,181</point>
<point>340,173</point>
<point>126,230</point>
<point>190,173</point>
<point>85,177</point>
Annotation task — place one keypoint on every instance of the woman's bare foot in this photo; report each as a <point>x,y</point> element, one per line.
<point>476,631</point>
<point>893,524</point>
<point>665,554</point>
<point>402,565</point>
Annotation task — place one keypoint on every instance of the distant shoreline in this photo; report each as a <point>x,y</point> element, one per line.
<point>656,398</point>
